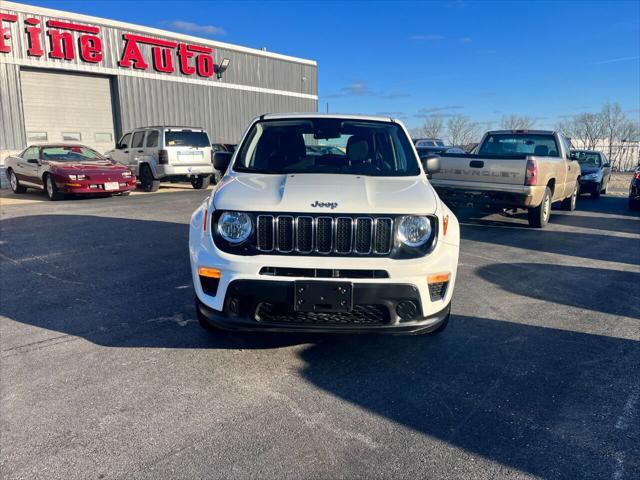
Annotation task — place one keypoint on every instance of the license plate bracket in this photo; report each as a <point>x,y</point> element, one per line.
<point>110,186</point>
<point>323,297</point>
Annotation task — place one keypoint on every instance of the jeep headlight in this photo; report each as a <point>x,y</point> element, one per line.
<point>414,231</point>
<point>235,227</point>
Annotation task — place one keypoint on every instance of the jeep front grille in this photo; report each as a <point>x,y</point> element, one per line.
<point>306,234</point>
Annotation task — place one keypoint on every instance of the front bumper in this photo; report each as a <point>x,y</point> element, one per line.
<point>588,186</point>
<point>247,317</point>
<point>93,187</point>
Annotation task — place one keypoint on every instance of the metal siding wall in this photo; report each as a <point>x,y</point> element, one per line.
<point>224,113</point>
<point>12,134</point>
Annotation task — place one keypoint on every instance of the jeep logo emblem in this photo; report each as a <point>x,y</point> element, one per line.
<point>330,205</point>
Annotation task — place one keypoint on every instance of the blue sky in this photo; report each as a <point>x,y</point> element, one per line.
<point>481,59</point>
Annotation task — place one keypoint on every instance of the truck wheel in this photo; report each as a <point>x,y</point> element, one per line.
<point>569,204</point>
<point>51,188</point>
<point>15,183</point>
<point>596,191</point>
<point>147,182</point>
<point>202,182</point>
<point>539,216</point>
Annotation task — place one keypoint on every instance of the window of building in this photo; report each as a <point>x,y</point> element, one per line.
<point>71,136</point>
<point>104,137</point>
<point>36,136</point>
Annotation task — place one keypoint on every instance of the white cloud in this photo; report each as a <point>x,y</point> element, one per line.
<point>616,60</point>
<point>190,27</point>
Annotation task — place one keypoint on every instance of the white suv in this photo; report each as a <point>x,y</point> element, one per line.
<point>166,153</point>
<point>353,239</point>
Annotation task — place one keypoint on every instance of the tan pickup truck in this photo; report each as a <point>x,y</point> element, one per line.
<point>511,169</point>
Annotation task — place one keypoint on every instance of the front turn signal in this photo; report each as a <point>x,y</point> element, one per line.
<point>445,224</point>
<point>439,278</point>
<point>209,272</point>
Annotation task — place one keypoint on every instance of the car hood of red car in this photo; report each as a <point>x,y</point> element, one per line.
<point>104,166</point>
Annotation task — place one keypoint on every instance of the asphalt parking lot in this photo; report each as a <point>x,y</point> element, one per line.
<point>106,373</point>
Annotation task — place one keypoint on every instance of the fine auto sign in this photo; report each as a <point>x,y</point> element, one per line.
<point>190,59</point>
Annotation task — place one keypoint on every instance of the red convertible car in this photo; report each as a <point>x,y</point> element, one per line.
<point>60,169</point>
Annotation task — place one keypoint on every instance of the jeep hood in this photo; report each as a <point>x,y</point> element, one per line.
<point>325,193</point>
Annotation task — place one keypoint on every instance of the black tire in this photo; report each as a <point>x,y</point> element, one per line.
<point>51,188</point>
<point>539,216</point>
<point>202,182</point>
<point>596,192</point>
<point>634,204</point>
<point>569,204</point>
<point>147,181</point>
<point>15,183</point>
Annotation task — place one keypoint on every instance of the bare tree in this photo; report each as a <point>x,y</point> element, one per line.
<point>613,122</point>
<point>433,127</point>
<point>585,130</point>
<point>462,131</point>
<point>517,122</point>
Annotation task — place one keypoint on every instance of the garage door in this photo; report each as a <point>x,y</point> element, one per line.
<point>64,107</point>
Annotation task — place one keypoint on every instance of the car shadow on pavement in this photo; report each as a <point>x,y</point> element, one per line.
<point>616,205</point>
<point>584,245</point>
<point>113,281</point>
<point>614,292</point>
<point>539,400</point>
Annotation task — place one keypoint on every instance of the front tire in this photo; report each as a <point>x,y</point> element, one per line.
<point>539,216</point>
<point>200,183</point>
<point>147,181</point>
<point>634,204</point>
<point>51,188</point>
<point>596,191</point>
<point>15,183</point>
<point>569,204</point>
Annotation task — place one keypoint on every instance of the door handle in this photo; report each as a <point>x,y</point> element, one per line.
<point>140,151</point>
<point>476,164</point>
<point>126,151</point>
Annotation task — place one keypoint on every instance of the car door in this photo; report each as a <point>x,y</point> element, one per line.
<point>137,147</point>
<point>27,167</point>
<point>121,152</point>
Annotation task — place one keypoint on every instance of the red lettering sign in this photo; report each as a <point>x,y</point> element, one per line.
<point>33,35</point>
<point>5,32</point>
<point>192,59</point>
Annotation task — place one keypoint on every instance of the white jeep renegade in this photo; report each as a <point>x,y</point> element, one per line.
<point>324,223</point>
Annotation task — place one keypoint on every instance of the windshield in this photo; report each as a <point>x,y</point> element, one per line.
<point>591,159</point>
<point>70,153</point>
<point>519,144</point>
<point>186,139</point>
<point>353,147</point>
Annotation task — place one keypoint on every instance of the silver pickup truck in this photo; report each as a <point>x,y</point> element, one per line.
<point>511,169</point>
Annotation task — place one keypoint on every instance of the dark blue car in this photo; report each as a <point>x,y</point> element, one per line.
<point>634,190</point>
<point>595,171</point>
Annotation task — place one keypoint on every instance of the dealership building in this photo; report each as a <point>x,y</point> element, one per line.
<point>77,78</point>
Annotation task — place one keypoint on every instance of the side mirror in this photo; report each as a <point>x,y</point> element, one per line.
<point>573,156</point>
<point>221,161</point>
<point>431,163</point>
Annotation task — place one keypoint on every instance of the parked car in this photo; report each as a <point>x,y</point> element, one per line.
<point>166,153</point>
<point>67,168</point>
<point>528,169</point>
<point>595,172</point>
<point>428,142</point>
<point>342,242</point>
<point>634,190</point>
